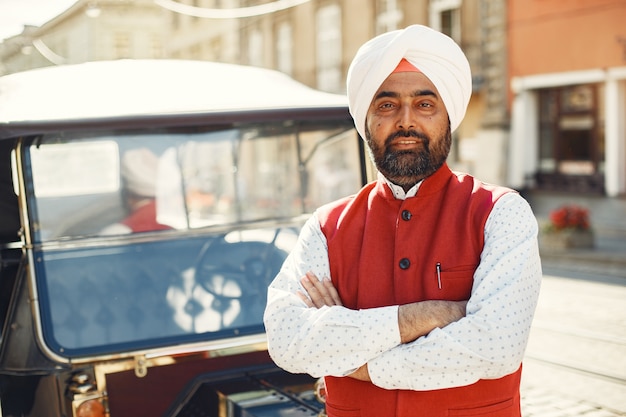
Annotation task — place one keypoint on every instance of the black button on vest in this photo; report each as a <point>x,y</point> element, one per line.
<point>406,215</point>
<point>404,263</point>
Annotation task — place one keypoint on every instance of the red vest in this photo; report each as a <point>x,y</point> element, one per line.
<point>144,219</point>
<point>384,251</point>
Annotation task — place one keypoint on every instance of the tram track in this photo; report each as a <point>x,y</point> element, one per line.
<point>560,328</point>
<point>556,358</point>
<point>577,349</point>
<point>589,371</point>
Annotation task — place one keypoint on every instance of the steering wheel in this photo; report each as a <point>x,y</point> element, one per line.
<point>238,272</point>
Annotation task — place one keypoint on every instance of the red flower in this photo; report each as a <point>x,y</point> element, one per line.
<point>571,216</point>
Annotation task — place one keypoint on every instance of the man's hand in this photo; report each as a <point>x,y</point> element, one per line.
<point>321,293</point>
<point>324,293</point>
<point>420,318</point>
<point>414,319</point>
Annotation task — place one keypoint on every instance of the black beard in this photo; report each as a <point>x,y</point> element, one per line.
<point>408,167</point>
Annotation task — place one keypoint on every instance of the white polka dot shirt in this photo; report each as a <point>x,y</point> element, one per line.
<point>488,343</point>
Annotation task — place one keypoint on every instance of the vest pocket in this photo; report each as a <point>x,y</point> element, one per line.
<point>453,285</point>
<point>332,411</point>
<point>501,409</point>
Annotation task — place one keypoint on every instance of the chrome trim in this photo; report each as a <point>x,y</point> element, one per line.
<point>27,246</point>
<point>164,235</point>
<point>214,348</point>
<point>36,312</point>
<point>222,347</point>
<point>21,183</point>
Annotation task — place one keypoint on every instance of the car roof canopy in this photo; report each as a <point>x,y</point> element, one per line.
<point>129,88</point>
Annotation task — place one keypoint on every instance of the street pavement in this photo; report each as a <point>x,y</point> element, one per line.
<point>575,363</point>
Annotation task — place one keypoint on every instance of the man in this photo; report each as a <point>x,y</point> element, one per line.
<point>415,296</point>
<point>139,177</point>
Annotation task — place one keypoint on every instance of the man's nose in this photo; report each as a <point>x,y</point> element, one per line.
<point>406,118</point>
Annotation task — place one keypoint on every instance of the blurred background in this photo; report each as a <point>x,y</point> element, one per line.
<point>549,99</point>
<point>547,117</point>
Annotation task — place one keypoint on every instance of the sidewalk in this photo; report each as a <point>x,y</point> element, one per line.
<point>607,258</point>
<point>608,220</point>
<point>575,361</point>
<point>537,402</point>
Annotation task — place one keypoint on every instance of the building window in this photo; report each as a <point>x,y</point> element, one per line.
<point>328,48</point>
<point>156,47</point>
<point>255,48</point>
<point>122,45</point>
<point>195,51</point>
<point>175,20</point>
<point>547,114</point>
<point>213,47</point>
<point>571,137</point>
<point>284,45</point>
<point>388,16</point>
<point>195,3</point>
<point>445,16</point>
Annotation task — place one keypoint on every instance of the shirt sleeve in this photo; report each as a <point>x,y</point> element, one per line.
<point>489,342</point>
<point>327,341</point>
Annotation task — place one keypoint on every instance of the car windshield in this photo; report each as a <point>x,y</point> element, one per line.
<point>147,238</point>
<point>88,186</point>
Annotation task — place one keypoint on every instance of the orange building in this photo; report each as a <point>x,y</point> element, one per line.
<point>567,71</point>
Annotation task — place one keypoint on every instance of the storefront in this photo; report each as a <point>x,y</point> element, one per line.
<point>568,132</point>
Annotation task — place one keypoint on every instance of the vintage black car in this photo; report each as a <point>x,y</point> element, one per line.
<point>144,208</point>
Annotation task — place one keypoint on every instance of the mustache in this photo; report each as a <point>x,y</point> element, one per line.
<point>407,134</point>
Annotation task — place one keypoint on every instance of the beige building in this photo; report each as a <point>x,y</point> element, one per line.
<point>202,30</point>
<point>90,30</point>
<point>314,41</point>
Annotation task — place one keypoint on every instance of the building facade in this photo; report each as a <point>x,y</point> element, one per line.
<point>202,30</point>
<point>90,30</point>
<point>315,42</point>
<point>524,55</point>
<point>567,67</point>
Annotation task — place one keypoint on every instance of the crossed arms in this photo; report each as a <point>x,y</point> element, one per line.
<point>414,319</point>
<point>420,346</point>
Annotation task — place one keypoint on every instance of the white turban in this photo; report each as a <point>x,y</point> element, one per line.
<point>139,172</point>
<point>436,55</point>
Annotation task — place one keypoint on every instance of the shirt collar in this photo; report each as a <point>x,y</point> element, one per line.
<point>398,192</point>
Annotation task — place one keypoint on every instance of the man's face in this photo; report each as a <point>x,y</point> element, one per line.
<point>407,129</point>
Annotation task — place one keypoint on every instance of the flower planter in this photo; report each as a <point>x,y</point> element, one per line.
<point>567,239</point>
<point>569,228</point>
